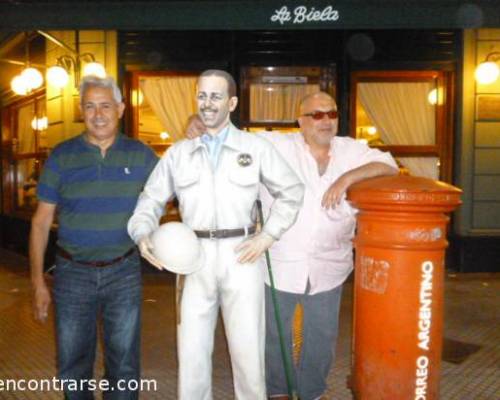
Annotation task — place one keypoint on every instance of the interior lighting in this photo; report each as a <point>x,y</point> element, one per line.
<point>39,124</point>
<point>432,97</point>
<point>164,135</point>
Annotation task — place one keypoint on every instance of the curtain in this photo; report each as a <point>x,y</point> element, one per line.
<point>427,167</point>
<point>277,102</point>
<point>403,116</point>
<point>172,99</point>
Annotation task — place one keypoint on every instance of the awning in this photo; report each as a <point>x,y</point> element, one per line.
<point>249,15</point>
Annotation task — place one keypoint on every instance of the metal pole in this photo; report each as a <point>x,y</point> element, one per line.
<point>287,364</point>
<point>60,43</point>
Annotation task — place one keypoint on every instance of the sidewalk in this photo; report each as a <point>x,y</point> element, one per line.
<point>472,338</point>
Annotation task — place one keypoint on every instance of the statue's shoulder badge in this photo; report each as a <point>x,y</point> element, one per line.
<point>244,159</point>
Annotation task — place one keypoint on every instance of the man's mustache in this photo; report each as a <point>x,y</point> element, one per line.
<point>99,120</point>
<point>208,109</point>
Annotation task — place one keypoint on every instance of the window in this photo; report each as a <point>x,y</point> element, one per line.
<point>25,140</point>
<point>408,114</point>
<point>270,96</point>
<point>161,103</point>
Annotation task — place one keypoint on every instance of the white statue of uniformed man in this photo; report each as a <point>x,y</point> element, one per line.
<point>216,180</point>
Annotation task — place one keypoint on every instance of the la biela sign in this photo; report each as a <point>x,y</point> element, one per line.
<point>303,14</point>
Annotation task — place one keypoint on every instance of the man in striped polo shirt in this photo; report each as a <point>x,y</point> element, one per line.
<point>92,181</point>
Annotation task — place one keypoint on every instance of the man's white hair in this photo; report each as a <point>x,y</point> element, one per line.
<point>105,83</point>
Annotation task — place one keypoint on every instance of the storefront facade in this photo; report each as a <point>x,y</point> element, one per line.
<point>359,51</point>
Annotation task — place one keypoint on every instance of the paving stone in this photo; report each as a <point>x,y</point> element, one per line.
<point>27,349</point>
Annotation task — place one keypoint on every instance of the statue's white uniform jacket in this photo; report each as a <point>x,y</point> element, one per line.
<point>223,198</point>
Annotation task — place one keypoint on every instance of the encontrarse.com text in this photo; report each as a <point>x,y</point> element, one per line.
<point>56,384</point>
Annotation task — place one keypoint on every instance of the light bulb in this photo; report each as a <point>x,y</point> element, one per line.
<point>94,68</point>
<point>32,77</point>
<point>371,130</point>
<point>57,76</point>
<point>19,86</point>
<point>39,124</point>
<point>164,135</point>
<point>432,97</point>
<point>487,72</point>
<point>43,123</point>
<point>137,97</point>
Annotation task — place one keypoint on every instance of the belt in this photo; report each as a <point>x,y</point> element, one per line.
<point>225,233</point>
<point>64,254</point>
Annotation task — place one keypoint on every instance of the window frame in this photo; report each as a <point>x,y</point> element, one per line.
<point>444,115</point>
<point>11,156</point>
<point>323,75</point>
<point>132,86</point>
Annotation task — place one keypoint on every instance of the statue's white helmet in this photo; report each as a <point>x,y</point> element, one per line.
<point>177,247</point>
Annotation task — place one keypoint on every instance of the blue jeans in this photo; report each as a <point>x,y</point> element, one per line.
<point>320,329</point>
<point>82,295</point>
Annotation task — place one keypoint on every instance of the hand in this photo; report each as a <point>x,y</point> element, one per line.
<point>146,249</point>
<point>335,193</point>
<point>195,127</point>
<point>41,302</point>
<point>251,249</point>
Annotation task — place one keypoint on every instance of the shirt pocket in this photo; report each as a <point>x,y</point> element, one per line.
<point>186,182</point>
<point>245,177</point>
<point>338,226</point>
<point>242,189</point>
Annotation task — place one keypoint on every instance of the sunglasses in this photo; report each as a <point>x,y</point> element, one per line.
<point>319,115</point>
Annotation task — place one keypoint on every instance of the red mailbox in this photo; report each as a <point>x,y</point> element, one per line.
<point>398,296</point>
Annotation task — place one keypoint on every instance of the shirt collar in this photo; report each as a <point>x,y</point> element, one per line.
<point>232,139</point>
<point>302,141</point>
<point>118,139</point>
<point>219,137</point>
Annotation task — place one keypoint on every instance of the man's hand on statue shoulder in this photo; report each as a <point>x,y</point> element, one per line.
<point>195,127</point>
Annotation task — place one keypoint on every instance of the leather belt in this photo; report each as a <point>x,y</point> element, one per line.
<point>225,233</point>
<point>64,254</point>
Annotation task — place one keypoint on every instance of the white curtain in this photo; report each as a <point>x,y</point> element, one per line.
<point>277,102</point>
<point>172,99</point>
<point>427,167</point>
<point>403,116</point>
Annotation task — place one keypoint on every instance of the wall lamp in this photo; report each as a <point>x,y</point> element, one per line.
<point>83,64</point>
<point>30,78</point>
<point>58,75</point>
<point>488,71</point>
